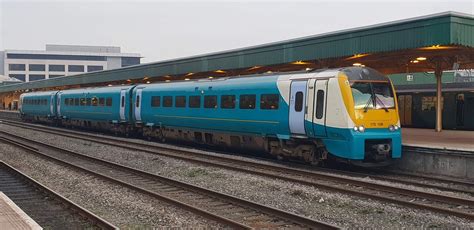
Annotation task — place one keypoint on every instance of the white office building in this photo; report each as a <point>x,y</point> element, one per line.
<point>62,60</point>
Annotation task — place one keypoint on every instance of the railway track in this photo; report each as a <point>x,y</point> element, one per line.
<point>49,209</point>
<point>450,205</point>
<point>228,210</point>
<point>456,186</point>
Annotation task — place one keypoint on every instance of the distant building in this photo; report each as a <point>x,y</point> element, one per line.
<point>62,60</point>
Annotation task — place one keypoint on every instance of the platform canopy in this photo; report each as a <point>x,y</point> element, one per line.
<point>430,43</point>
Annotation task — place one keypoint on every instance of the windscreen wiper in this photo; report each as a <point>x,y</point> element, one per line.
<point>366,107</point>
<point>381,102</point>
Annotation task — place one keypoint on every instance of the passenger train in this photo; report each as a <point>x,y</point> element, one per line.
<point>348,114</point>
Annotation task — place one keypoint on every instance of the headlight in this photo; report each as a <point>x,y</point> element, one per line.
<point>393,128</point>
<point>360,128</point>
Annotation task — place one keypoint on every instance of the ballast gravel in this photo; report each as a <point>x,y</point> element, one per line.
<point>120,206</point>
<point>335,208</point>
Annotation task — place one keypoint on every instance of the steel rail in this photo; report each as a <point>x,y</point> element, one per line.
<point>299,175</point>
<point>289,217</point>
<point>91,137</point>
<point>74,208</point>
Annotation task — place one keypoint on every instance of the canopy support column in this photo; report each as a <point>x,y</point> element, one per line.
<point>439,105</point>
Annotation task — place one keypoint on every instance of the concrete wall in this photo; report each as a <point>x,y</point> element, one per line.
<point>438,162</point>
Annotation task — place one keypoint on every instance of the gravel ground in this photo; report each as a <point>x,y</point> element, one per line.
<point>335,208</point>
<point>120,206</point>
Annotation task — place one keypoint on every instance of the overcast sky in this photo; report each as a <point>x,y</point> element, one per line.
<point>170,29</point>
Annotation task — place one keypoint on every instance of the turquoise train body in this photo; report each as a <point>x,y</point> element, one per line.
<point>348,114</point>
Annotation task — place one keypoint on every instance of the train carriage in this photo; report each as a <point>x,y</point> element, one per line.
<point>202,110</point>
<point>108,108</point>
<point>39,106</point>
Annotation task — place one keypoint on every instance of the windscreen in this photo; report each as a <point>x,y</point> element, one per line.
<point>372,95</point>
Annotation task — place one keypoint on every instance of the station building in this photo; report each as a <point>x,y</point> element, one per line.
<point>62,60</point>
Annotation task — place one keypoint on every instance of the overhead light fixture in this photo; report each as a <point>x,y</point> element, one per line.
<point>146,78</point>
<point>219,71</point>
<point>300,63</point>
<point>186,79</point>
<point>189,74</point>
<point>148,82</point>
<point>357,64</point>
<point>167,76</point>
<point>356,56</point>
<point>269,71</point>
<point>167,80</point>
<point>109,85</point>
<point>437,47</point>
<point>421,58</point>
<point>255,67</point>
<point>308,69</point>
<point>211,77</point>
<point>414,61</point>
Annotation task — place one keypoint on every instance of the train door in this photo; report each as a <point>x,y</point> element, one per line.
<point>51,104</point>
<point>138,106</point>
<point>123,92</point>
<point>297,107</point>
<point>58,107</point>
<point>320,101</point>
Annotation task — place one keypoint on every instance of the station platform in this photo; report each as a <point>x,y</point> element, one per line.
<point>449,153</point>
<point>13,218</point>
<point>446,139</point>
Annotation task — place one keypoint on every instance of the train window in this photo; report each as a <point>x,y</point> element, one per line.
<point>167,101</point>
<point>210,102</point>
<point>95,101</point>
<point>269,101</point>
<point>83,101</point>
<point>66,101</point>
<point>320,104</point>
<point>137,102</point>
<point>228,101</point>
<point>122,101</point>
<point>101,101</point>
<point>180,101</point>
<point>88,101</point>
<point>108,101</point>
<point>247,101</point>
<point>76,101</point>
<point>155,101</point>
<point>194,101</point>
<point>299,101</point>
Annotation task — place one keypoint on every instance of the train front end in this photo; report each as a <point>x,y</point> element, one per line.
<point>373,132</point>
